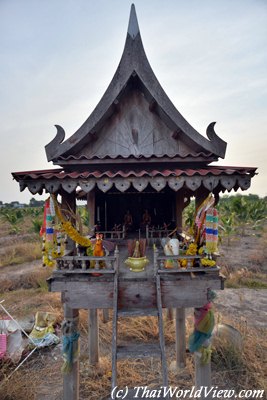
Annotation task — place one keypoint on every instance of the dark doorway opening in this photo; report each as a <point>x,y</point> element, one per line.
<point>113,205</point>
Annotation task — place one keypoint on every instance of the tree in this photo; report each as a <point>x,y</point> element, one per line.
<point>36,203</point>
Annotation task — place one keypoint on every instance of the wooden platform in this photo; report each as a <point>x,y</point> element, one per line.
<point>136,289</point>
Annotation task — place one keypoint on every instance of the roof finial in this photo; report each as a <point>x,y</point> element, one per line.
<point>133,28</point>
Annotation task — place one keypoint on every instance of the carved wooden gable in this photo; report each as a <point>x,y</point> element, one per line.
<point>133,130</point>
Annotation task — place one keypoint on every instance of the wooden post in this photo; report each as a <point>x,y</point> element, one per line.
<point>93,339</point>
<point>179,206</point>
<point>71,379</point>
<point>105,315</point>
<point>202,376</point>
<point>169,315</point>
<point>180,342</point>
<point>91,210</point>
<point>201,195</point>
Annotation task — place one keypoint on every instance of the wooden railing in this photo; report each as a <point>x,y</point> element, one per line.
<point>156,233</point>
<point>114,234</point>
<point>88,264</point>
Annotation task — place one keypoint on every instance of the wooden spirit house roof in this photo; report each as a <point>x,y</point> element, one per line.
<point>135,119</point>
<point>134,137</point>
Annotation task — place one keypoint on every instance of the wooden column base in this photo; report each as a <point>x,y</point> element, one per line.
<point>93,339</point>
<point>71,380</point>
<point>202,376</point>
<point>180,342</point>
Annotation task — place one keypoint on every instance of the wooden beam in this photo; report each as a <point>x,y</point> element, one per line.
<point>71,379</point>
<point>135,294</point>
<point>93,338</point>
<point>180,342</point>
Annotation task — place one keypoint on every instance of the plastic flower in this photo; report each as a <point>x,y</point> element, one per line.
<point>192,249</point>
<point>201,250</point>
<point>206,262</point>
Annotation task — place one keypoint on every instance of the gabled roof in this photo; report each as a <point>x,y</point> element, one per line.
<point>134,71</point>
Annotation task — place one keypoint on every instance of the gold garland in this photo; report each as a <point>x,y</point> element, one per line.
<point>69,229</point>
<point>49,253</point>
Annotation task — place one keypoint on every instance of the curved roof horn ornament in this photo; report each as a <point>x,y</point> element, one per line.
<point>218,144</point>
<point>52,147</point>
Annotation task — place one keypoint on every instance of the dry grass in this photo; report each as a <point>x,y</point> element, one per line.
<point>231,368</point>
<point>241,369</point>
<point>20,252</point>
<point>36,279</point>
<point>5,228</point>
<point>244,277</point>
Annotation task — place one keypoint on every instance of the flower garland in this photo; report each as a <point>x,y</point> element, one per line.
<point>52,246</point>
<point>191,251</point>
<point>69,229</point>
<point>207,262</point>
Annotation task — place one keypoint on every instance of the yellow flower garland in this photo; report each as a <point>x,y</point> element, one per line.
<point>206,262</point>
<point>69,229</point>
<point>191,251</point>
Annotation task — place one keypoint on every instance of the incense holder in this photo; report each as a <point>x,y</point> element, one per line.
<point>137,264</point>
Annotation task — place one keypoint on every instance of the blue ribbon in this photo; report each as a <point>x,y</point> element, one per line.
<point>67,348</point>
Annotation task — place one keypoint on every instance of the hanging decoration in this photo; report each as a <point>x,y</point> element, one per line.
<point>70,349</point>
<point>54,225</point>
<point>69,229</point>
<point>52,246</point>
<point>211,230</point>
<point>200,219</point>
<point>200,339</point>
<point>206,231</point>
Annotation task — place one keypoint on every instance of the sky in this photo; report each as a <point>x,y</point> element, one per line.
<point>57,58</point>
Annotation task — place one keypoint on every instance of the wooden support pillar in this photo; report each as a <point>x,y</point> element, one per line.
<point>93,338</point>
<point>179,206</point>
<point>201,194</point>
<point>69,204</point>
<point>180,342</point>
<point>91,210</point>
<point>169,314</point>
<point>71,379</point>
<point>202,376</point>
<point>105,315</point>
